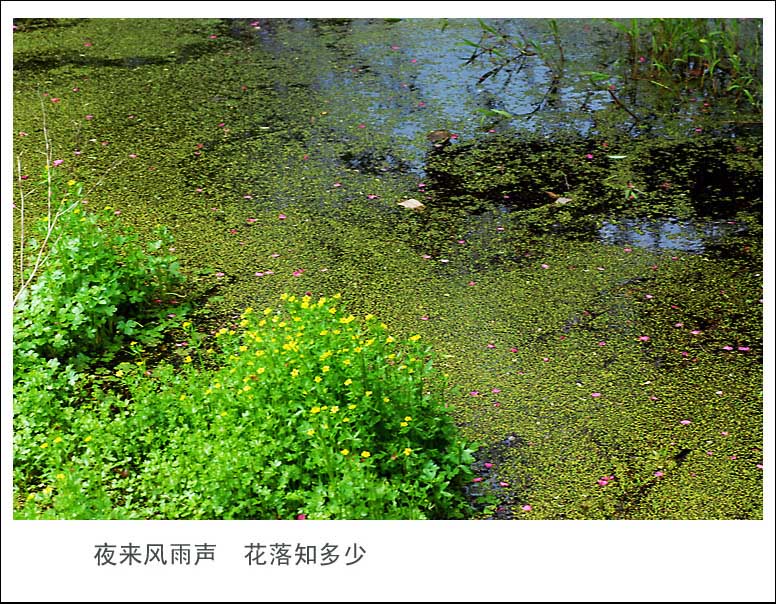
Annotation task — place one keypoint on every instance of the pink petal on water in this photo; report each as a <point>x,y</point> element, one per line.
<point>488,465</point>
<point>526,508</point>
<point>685,422</point>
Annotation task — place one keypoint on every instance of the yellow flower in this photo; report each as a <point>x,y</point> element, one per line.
<point>187,359</point>
<point>365,454</point>
<point>243,348</point>
<point>310,432</point>
<point>48,490</point>
<point>294,372</point>
<point>325,355</point>
<point>408,419</point>
<point>334,409</point>
<point>348,382</point>
<point>246,388</point>
<point>87,439</point>
<point>346,419</point>
<point>70,182</point>
<point>284,296</point>
<point>58,439</point>
<point>369,317</point>
<point>318,379</point>
<point>31,496</point>
<point>44,446</point>
<point>260,370</point>
<point>315,409</point>
<point>60,476</point>
<point>415,338</point>
<point>344,451</point>
<point>337,296</point>
<point>407,451</point>
<point>324,332</point>
<point>324,408</point>
<point>403,424</point>
<point>325,368</point>
<point>267,310</point>
<point>224,414</point>
<point>386,399</point>
<point>368,393</point>
<point>119,373</point>
<point>357,349</point>
<point>186,324</point>
<point>347,319</point>
<point>182,397</point>
<point>351,407</point>
<point>333,309</point>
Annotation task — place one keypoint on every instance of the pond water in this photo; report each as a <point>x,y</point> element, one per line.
<point>670,234</point>
<point>276,154</point>
<point>398,81</point>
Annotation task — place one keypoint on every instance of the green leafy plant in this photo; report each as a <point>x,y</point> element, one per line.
<point>299,411</point>
<point>91,279</point>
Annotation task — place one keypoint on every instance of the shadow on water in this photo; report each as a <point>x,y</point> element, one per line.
<point>44,61</point>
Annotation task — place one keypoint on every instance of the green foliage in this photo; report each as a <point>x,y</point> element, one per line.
<point>300,410</point>
<point>96,280</point>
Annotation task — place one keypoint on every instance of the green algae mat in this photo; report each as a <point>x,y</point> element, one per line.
<point>591,299</point>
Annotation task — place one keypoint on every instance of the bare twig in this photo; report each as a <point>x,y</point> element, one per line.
<point>52,216</point>
<point>21,221</point>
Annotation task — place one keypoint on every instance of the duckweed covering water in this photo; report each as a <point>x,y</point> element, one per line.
<point>601,381</point>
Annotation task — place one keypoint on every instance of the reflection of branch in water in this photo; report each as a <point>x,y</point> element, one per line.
<point>551,97</point>
<point>619,103</point>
